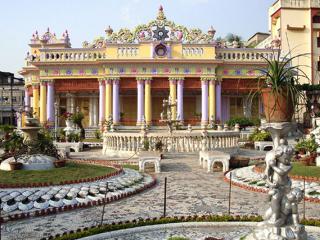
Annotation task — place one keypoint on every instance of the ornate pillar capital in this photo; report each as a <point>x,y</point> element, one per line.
<point>175,79</point>
<point>145,79</point>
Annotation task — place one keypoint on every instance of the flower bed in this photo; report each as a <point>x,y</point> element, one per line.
<point>56,210</point>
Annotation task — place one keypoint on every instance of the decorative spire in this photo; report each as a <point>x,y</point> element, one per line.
<point>211,31</point>
<point>48,30</point>
<point>109,30</point>
<point>161,15</point>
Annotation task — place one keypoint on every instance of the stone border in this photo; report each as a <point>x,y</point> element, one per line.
<point>55,210</point>
<point>167,226</point>
<point>104,163</point>
<point>261,190</point>
<point>258,169</point>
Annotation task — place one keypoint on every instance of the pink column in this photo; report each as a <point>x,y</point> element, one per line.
<point>140,103</point>
<point>180,100</point>
<point>115,102</point>
<point>50,102</point>
<point>102,102</point>
<point>218,102</point>
<point>204,102</point>
<point>26,100</point>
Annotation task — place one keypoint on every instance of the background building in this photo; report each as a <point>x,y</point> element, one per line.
<point>128,73</point>
<point>11,97</point>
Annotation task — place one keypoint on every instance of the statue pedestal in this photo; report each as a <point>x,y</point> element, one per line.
<point>281,220</point>
<point>278,131</point>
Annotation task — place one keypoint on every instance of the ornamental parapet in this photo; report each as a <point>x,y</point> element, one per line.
<point>71,54</point>
<point>180,141</point>
<point>245,54</point>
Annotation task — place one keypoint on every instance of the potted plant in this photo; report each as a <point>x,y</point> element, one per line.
<point>280,90</point>
<point>77,119</point>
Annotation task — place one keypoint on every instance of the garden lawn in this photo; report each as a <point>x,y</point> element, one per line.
<point>308,171</point>
<point>131,166</point>
<point>72,171</point>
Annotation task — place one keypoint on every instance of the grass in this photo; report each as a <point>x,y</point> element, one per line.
<point>72,171</point>
<point>134,167</point>
<point>302,170</point>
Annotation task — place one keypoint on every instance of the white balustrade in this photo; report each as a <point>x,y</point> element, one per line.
<point>178,142</point>
<point>57,55</point>
<point>245,54</point>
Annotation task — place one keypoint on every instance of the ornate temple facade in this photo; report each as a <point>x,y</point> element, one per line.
<point>128,73</point>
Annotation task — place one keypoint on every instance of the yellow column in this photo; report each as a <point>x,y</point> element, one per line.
<point>35,100</point>
<point>147,101</point>
<point>43,102</point>
<point>108,99</point>
<point>173,96</point>
<point>212,100</point>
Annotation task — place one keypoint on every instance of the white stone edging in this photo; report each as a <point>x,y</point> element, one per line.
<point>142,229</point>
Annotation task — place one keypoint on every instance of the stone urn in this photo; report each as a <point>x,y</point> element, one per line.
<point>69,123</point>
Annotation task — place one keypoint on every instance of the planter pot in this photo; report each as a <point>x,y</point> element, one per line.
<point>277,108</point>
<point>59,163</point>
<point>15,166</point>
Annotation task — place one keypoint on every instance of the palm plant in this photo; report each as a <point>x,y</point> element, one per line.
<point>280,87</point>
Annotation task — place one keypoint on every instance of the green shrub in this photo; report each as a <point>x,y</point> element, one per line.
<point>242,121</point>
<point>97,134</point>
<point>308,145</point>
<point>259,135</point>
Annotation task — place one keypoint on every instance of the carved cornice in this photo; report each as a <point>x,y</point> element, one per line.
<point>176,78</point>
<point>144,78</point>
<point>112,78</point>
<point>208,78</point>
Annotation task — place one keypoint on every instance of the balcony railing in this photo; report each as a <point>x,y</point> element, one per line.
<point>56,55</point>
<point>245,54</point>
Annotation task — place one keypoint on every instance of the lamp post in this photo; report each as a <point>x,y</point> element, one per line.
<point>56,108</point>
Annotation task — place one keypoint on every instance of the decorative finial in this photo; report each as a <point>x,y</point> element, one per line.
<point>109,30</point>
<point>211,31</point>
<point>161,15</point>
<point>48,30</point>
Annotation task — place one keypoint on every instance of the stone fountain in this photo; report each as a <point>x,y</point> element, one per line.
<point>34,161</point>
<point>281,220</point>
<point>166,115</point>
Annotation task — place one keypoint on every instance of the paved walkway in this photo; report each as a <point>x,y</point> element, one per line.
<point>191,190</point>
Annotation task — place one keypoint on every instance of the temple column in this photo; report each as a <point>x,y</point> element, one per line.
<point>95,111</point>
<point>140,101</point>
<point>50,103</point>
<point>180,99</point>
<point>91,108</point>
<point>43,102</point>
<point>212,100</point>
<point>218,102</point>
<point>204,102</point>
<point>147,101</point>
<point>115,102</point>
<point>173,96</point>
<point>108,99</point>
<point>102,101</point>
<point>35,100</point>
<point>26,99</point>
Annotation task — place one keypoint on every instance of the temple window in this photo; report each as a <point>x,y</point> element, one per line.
<point>233,56</point>
<point>318,42</point>
<point>248,55</point>
<point>47,56</point>
<point>57,56</point>
<point>252,56</point>
<point>316,19</point>
<point>94,55</point>
<point>66,56</point>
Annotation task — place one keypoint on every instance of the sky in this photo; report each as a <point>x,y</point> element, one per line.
<point>87,19</point>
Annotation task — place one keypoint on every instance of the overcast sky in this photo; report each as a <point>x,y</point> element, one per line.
<point>87,19</point>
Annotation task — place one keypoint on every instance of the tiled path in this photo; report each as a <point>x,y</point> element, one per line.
<point>191,190</point>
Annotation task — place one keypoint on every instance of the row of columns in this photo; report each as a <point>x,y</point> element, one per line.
<point>43,101</point>
<point>109,104</point>
<point>109,99</point>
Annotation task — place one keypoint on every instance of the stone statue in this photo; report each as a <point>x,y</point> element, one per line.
<point>281,220</point>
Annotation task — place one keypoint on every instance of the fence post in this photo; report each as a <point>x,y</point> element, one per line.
<point>229,207</point>
<point>165,197</point>
<point>104,204</point>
